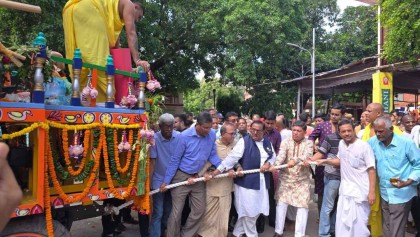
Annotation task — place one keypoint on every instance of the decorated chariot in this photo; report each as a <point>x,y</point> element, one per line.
<point>69,154</point>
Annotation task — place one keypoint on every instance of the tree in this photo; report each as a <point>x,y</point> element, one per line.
<point>20,28</point>
<point>402,22</point>
<point>228,98</point>
<point>355,38</point>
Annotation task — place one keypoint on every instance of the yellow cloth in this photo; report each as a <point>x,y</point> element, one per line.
<point>375,217</point>
<point>93,26</point>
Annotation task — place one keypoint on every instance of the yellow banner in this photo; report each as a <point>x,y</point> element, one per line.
<point>382,90</point>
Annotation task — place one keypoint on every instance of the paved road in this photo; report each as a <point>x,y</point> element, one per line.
<point>92,227</point>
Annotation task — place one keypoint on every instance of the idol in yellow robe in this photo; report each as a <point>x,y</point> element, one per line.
<point>93,26</point>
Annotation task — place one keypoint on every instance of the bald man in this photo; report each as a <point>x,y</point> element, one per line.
<point>375,110</point>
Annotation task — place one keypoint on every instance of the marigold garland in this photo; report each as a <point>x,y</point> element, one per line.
<point>65,140</point>
<point>121,126</point>
<point>47,205</point>
<point>116,153</point>
<point>24,131</point>
<point>108,173</point>
<point>74,126</point>
<point>57,186</point>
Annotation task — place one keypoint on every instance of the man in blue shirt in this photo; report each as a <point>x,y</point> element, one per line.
<point>160,156</point>
<point>398,166</point>
<point>195,146</point>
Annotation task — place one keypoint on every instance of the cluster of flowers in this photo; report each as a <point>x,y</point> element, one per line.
<point>76,150</point>
<point>124,144</point>
<point>152,83</point>
<point>147,135</point>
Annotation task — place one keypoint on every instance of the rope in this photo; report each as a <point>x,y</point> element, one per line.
<point>201,179</point>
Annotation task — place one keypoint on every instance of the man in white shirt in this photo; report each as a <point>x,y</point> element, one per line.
<point>358,180</point>
<point>251,191</point>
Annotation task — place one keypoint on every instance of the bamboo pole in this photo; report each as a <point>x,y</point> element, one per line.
<point>20,6</point>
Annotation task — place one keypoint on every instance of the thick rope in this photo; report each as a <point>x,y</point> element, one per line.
<point>201,179</point>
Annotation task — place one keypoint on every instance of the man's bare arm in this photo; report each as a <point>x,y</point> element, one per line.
<point>317,156</point>
<point>334,162</point>
<point>130,28</point>
<point>372,184</point>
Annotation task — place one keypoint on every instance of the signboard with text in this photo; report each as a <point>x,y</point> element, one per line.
<point>382,91</point>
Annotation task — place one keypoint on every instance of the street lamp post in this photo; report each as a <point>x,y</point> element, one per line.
<point>312,67</point>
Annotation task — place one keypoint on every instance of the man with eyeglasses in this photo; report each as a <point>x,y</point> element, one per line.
<point>251,152</point>
<point>196,146</point>
<point>218,192</point>
<point>232,118</point>
<point>160,155</point>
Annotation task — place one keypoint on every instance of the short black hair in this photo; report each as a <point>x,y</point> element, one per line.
<point>230,114</point>
<point>301,124</point>
<point>204,117</point>
<point>322,116</point>
<point>304,117</point>
<point>340,107</point>
<point>258,122</point>
<point>270,115</point>
<point>345,121</point>
<point>182,117</point>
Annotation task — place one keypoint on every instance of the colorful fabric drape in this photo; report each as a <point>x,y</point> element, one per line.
<point>93,26</point>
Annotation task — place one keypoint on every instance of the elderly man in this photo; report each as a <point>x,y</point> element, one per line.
<point>294,188</point>
<point>375,110</point>
<point>358,181</point>
<point>160,155</point>
<point>195,146</point>
<point>398,161</point>
<point>218,192</point>
<point>251,191</point>
<point>232,118</point>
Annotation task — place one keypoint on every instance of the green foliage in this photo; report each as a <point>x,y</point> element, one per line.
<point>20,28</point>
<point>402,22</point>
<point>202,98</point>
<point>354,39</point>
<point>229,99</point>
<point>270,97</point>
<point>243,41</point>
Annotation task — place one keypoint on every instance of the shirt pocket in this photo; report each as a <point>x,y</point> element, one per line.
<point>354,161</point>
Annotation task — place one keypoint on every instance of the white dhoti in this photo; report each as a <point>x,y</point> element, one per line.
<point>352,217</point>
<point>250,204</point>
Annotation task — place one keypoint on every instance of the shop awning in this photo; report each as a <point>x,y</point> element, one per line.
<point>357,77</point>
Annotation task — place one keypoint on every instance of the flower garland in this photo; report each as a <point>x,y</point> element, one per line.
<point>47,205</point>
<point>111,154</point>
<point>116,153</point>
<point>24,131</point>
<point>73,127</point>
<point>86,141</point>
<point>56,158</point>
<point>58,188</point>
<point>108,174</point>
<point>121,126</point>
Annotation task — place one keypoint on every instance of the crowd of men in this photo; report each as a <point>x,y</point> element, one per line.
<point>366,177</point>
